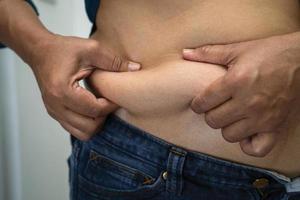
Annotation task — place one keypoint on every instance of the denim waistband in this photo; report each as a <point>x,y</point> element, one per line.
<point>155,150</point>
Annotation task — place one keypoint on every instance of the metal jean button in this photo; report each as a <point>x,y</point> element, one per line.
<point>260,183</point>
<point>165,175</point>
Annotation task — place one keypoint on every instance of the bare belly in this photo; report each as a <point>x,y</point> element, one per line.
<point>157,98</point>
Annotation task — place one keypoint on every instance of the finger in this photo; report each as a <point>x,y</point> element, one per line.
<point>216,54</point>
<point>81,75</point>
<point>238,131</point>
<point>105,59</point>
<point>80,122</point>
<point>217,93</point>
<point>224,115</point>
<point>84,102</point>
<point>75,132</point>
<point>85,124</point>
<point>259,145</point>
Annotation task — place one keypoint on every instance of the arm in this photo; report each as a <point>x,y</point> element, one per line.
<point>58,63</point>
<point>15,31</point>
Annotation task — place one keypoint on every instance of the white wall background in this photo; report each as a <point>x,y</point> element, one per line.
<point>33,147</point>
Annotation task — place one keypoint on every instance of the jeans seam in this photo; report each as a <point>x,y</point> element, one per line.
<point>75,157</point>
<point>124,167</point>
<point>175,163</point>
<point>169,178</point>
<point>153,164</point>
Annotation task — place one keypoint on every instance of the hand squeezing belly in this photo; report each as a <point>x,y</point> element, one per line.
<point>162,89</point>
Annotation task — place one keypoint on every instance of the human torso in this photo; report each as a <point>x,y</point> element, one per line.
<point>157,98</point>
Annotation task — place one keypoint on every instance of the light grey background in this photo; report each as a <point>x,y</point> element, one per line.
<point>33,147</point>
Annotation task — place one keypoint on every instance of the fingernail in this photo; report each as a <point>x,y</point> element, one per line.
<point>132,66</point>
<point>188,51</point>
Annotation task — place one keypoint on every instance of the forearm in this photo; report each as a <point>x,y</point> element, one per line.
<point>21,29</point>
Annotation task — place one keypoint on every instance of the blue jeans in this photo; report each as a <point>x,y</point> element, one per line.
<point>123,162</point>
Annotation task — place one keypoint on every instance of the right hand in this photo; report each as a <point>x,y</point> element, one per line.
<point>59,64</point>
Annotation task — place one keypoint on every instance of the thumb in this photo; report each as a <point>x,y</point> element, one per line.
<point>103,58</point>
<point>216,54</point>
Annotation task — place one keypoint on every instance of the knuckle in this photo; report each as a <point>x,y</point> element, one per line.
<point>260,151</point>
<point>95,112</point>
<point>204,50</point>
<point>228,55</point>
<point>101,103</point>
<point>104,108</point>
<point>257,102</point>
<point>198,105</point>
<point>203,100</point>
<point>116,64</point>
<point>238,78</point>
<point>93,45</point>
<point>229,136</point>
<point>212,121</point>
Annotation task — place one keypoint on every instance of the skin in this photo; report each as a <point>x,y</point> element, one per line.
<point>46,53</point>
<point>158,98</point>
<point>58,63</point>
<point>258,96</point>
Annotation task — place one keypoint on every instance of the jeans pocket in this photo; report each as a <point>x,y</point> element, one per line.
<point>104,177</point>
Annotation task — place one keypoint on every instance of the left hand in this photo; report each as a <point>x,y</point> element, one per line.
<point>252,101</point>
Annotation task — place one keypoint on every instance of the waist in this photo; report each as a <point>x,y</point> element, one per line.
<point>154,151</point>
<point>157,100</point>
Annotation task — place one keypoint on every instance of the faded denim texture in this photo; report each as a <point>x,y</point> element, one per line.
<point>123,162</point>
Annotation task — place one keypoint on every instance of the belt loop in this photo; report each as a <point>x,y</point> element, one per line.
<point>175,164</point>
<point>293,186</point>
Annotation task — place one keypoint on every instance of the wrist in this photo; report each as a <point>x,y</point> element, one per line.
<point>22,30</point>
<point>37,48</point>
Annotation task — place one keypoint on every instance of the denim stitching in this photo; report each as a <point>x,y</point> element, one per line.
<point>131,154</point>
